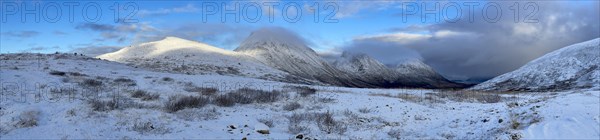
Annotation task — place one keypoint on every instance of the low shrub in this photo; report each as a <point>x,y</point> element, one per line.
<point>395,133</point>
<point>57,73</point>
<point>297,129</point>
<point>176,103</point>
<point>305,91</point>
<point>247,96</point>
<point>324,121</point>
<point>364,110</point>
<point>260,96</point>
<point>125,81</point>
<point>267,121</point>
<point>76,74</point>
<point>115,103</point>
<point>145,96</point>
<point>28,119</point>
<point>476,96</point>
<point>292,106</point>
<point>302,90</point>
<point>167,79</point>
<point>147,127</point>
<point>201,90</point>
<point>224,100</point>
<point>329,125</point>
<point>92,83</point>
<point>192,114</point>
<point>299,122</point>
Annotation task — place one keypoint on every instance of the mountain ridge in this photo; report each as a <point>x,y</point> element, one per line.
<point>283,50</point>
<point>277,54</point>
<point>571,67</point>
<point>177,55</point>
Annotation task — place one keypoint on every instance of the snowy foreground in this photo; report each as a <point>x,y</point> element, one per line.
<point>63,96</point>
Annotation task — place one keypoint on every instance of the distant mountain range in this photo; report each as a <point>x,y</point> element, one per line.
<point>276,54</point>
<point>409,73</point>
<point>269,54</point>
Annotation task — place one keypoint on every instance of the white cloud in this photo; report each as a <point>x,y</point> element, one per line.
<point>352,8</point>
<point>525,29</point>
<point>484,50</point>
<point>448,33</point>
<point>189,8</point>
<point>405,37</point>
<point>401,37</point>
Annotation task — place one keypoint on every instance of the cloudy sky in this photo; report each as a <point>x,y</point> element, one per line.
<point>459,39</point>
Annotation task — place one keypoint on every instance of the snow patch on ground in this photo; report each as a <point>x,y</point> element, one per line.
<point>38,101</point>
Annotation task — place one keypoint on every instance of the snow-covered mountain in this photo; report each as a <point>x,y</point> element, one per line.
<point>178,55</point>
<point>409,73</point>
<point>572,67</point>
<point>415,73</point>
<point>285,51</point>
<point>363,65</point>
<point>276,54</point>
<point>365,68</point>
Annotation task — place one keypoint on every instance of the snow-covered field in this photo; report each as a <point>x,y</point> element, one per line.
<point>74,97</point>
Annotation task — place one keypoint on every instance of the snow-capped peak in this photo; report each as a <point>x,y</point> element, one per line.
<point>413,65</point>
<point>282,49</point>
<point>172,38</point>
<point>273,35</point>
<point>359,63</point>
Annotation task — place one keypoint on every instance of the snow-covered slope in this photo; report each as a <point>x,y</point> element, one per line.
<point>64,96</point>
<point>189,57</point>
<point>571,67</point>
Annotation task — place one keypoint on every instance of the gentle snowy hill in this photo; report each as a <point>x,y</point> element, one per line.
<point>178,55</point>
<point>572,67</point>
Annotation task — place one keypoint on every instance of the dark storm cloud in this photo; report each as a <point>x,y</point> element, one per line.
<point>388,53</point>
<point>482,49</point>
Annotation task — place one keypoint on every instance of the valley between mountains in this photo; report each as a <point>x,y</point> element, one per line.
<point>274,88</point>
